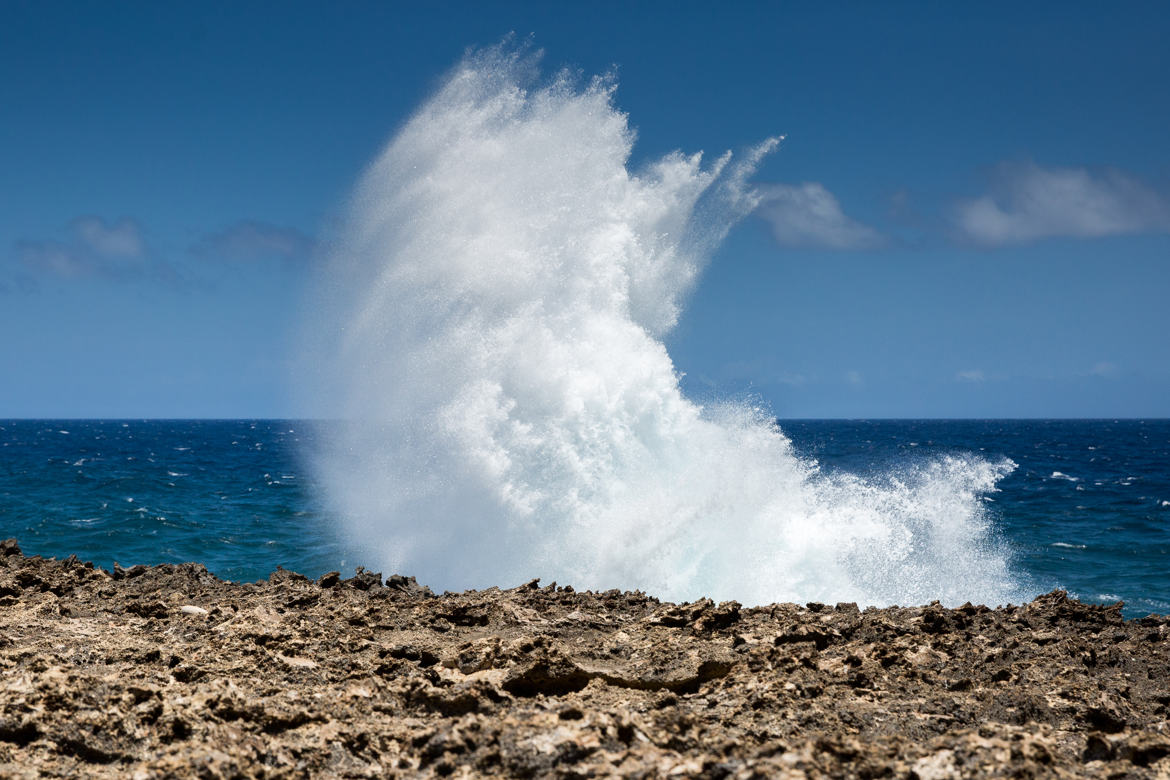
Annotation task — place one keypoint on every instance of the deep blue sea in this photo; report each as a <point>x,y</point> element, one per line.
<point>1087,509</point>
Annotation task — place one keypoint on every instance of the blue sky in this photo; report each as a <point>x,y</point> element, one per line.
<point>969,217</point>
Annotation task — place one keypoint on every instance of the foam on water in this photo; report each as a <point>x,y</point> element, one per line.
<point>492,332</point>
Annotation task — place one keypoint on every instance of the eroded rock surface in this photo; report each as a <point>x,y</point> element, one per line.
<point>167,670</point>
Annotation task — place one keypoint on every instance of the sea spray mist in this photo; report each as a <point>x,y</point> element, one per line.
<point>490,330</point>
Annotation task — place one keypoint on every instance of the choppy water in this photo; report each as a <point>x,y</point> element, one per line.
<point>1087,508</point>
<point>229,494</point>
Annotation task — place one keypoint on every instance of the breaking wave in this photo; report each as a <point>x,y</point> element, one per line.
<point>491,331</point>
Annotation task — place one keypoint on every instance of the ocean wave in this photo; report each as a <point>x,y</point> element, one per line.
<point>493,330</point>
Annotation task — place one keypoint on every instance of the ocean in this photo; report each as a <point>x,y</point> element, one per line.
<point>1086,507</point>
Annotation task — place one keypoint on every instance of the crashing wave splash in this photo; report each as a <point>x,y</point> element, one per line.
<point>503,286</point>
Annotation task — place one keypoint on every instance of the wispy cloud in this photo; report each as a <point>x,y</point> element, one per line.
<point>1028,203</point>
<point>971,375</point>
<point>808,215</point>
<point>761,370</point>
<point>93,248</point>
<point>121,239</point>
<point>250,240</point>
<point>1104,369</point>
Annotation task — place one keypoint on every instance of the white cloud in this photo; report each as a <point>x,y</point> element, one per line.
<point>971,375</point>
<point>791,379</point>
<point>51,258</point>
<point>94,248</point>
<point>122,239</point>
<point>854,378</point>
<point>808,215</point>
<point>762,370</point>
<point>250,240</point>
<point>1028,203</point>
<point>1104,369</point>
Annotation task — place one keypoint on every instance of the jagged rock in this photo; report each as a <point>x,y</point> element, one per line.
<point>329,579</point>
<point>410,586</point>
<point>364,580</point>
<point>108,675</point>
<point>125,574</point>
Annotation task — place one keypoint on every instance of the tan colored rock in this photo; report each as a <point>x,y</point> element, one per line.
<point>126,676</point>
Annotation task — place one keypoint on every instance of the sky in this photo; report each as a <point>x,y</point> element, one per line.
<point>969,215</point>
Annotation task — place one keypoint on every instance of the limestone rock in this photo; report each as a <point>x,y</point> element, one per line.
<point>166,671</point>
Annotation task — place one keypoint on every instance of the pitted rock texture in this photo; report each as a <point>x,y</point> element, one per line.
<point>168,671</point>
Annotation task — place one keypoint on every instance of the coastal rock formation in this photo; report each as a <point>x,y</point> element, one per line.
<point>166,670</point>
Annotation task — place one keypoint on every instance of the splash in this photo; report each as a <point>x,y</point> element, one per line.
<point>502,286</point>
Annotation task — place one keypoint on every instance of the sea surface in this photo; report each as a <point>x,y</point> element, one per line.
<point>1087,507</point>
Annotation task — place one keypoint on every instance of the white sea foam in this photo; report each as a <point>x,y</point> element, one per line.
<point>1062,475</point>
<point>491,331</point>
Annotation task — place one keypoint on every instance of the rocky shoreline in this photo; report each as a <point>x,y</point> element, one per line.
<point>168,671</point>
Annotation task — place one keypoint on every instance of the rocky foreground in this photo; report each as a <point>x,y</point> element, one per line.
<point>165,671</point>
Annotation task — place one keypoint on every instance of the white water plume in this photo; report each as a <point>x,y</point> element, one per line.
<point>493,339</point>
